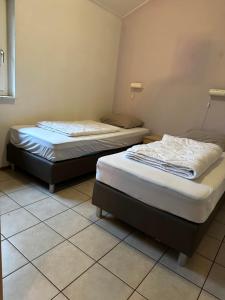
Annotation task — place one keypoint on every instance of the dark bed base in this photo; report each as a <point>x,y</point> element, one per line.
<point>177,233</point>
<point>54,172</point>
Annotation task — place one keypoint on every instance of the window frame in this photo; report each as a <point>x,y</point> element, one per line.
<point>9,94</point>
<point>3,46</point>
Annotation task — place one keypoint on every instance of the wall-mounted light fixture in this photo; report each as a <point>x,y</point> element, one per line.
<point>136,87</point>
<point>215,94</point>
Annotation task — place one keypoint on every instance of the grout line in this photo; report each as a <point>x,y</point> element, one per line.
<point>209,294</point>
<point>135,291</point>
<point>3,277</point>
<point>91,223</point>
<point>64,239</point>
<point>24,207</point>
<point>213,263</point>
<point>22,230</point>
<point>59,295</point>
<point>154,265</point>
<point>200,287</point>
<point>26,186</point>
<point>10,211</point>
<point>97,261</point>
<point>86,194</point>
<point>30,262</point>
<point>21,206</point>
<point>180,275</point>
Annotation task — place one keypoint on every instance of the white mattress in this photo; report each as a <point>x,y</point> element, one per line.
<point>193,200</point>
<point>57,147</point>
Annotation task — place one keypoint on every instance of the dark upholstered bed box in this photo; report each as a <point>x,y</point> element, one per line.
<point>177,233</point>
<point>54,172</point>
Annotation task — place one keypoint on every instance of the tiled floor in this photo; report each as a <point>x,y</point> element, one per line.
<point>54,247</point>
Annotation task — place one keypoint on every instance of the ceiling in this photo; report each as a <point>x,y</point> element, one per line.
<point>121,8</point>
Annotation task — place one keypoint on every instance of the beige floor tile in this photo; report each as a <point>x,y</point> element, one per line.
<point>94,241</point>
<point>20,175</point>
<point>36,240</point>
<point>27,196</point>
<point>60,297</point>
<point>114,226</point>
<point>93,178</point>
<point>28,284</point>
<point>220,259</point>
<point>98,284</point>
<point>128,264</point>
<point>4,175</point>
<point>208,247</point>
<point>88,210</point>
<point>17,221</point>
<point>85,187</point>
<point>12,259</point>
<point>70,197</point>
<point>12,185</point>
<point>7,205</point>
<point>217,230</point>
<point>220,217</point>
<point>164,284</point>
<point>46,208</point>
<point>42,187</point>
<point>63,264</point>
<point>136,296</point>
<point>206,296</point>
<point>68,223</point>
<point>146,244</point>
<point>215,283</point>
<point>195,270</point>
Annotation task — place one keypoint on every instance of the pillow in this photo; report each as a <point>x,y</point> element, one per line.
<point>122,120</point>
<point>207,136</point>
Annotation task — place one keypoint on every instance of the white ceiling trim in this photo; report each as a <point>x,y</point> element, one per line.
<point>134,9</point>
<point>106,8</point>
<point>116,13</point>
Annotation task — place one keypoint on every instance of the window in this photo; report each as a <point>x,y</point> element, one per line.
<point>7,49</point>
<point>3,50</point>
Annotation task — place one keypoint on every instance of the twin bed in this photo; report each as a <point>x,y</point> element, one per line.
<point>171,209</point>
<point>54,157</point>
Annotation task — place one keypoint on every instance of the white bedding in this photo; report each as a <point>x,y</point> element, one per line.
<point>192,200</point>
<point>180,156</point>
<point>78,128</point>
<point>57,147</point>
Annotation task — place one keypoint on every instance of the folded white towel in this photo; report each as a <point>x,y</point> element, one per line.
<point>181,156</point>
<point>78,128</point>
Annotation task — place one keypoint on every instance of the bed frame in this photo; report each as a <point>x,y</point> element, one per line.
<point>54,172</point>
<point>177,233</point>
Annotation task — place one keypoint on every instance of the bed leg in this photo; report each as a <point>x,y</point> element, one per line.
<point>182,259</point>
<point>13,167</point>
<point>51,188</point>
<point>99,212</point>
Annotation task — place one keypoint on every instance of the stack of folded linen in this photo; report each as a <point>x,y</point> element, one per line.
<point>181,156</point>
<point>78,128</point>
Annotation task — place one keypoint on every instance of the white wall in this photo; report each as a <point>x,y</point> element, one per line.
<point>66,58</point>
<point>177,48</point>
